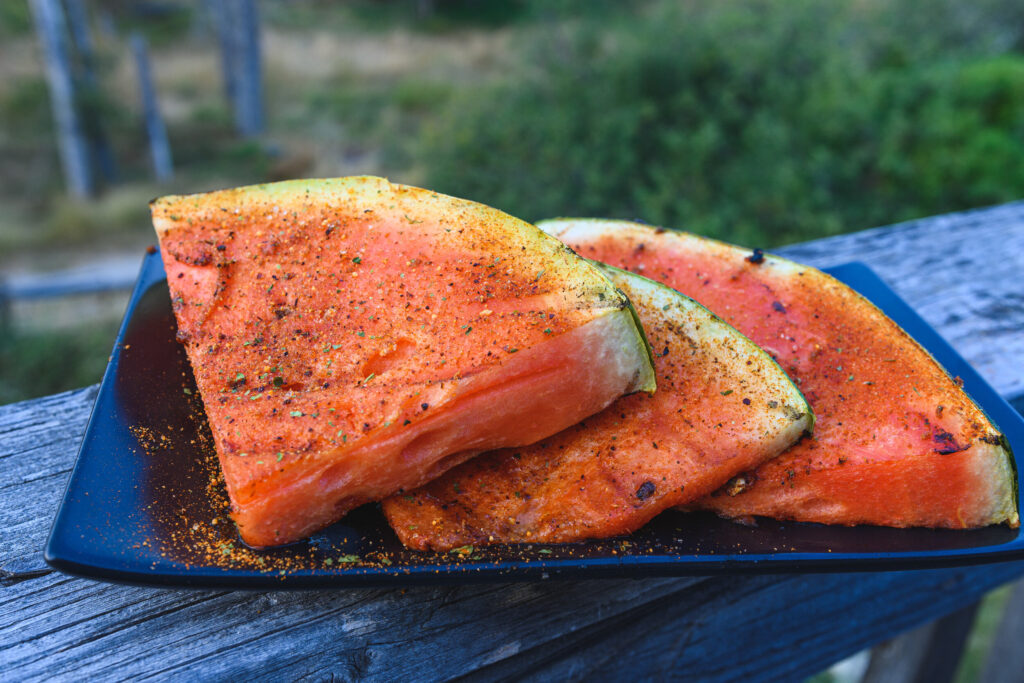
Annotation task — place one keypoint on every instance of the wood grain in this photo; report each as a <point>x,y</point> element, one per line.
<point>729,628</point>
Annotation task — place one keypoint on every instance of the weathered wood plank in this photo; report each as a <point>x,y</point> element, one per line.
<point>38,443</point>
<point>782,627</point>
<point>757,628</point>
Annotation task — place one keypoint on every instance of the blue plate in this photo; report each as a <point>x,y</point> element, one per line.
<point>144,503</point>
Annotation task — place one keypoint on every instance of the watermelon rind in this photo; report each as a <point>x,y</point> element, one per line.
<point>794,407</point>
<point>993,459</point>
<point>723,406</point>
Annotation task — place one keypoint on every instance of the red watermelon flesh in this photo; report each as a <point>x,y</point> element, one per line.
<point>350,337</point>
<point>722,407</point>
<point>896,441</point>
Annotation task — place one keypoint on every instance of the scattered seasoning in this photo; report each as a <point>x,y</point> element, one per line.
<point>547,330</point>
<point>278,382</point>
<point>726,392</point>
<point>544,551</point>
<point>756,257</point>
<point>188,392</point>
<point>461,550</point>
<point>357,260</point>
<point>349,559</point>
<point>279,456</point>
<point>296,413</point>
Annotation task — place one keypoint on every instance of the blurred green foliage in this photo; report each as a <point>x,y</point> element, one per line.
<point>25,110</point>
<point>752,121</point>
<point>15,19</point>
<point>41,363</point>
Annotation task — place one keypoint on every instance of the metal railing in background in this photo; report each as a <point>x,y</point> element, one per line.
<point>114,274</point>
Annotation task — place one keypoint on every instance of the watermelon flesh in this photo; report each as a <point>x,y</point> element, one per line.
<point>896,442</point>
<point>351,337</point>
<point>722,407</point>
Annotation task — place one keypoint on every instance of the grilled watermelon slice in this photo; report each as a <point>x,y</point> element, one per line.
<point>897,442</point>
<point>351,337</point>
<point>722,407</point>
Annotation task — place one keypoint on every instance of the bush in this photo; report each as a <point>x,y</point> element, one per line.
<point>752,121</point>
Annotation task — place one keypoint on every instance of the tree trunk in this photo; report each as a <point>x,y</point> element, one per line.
<point>220,12</point>
<point>238,32</point>
<point>90,90</point>
<point>248,69</point>
<point>155,128</point>
<point>74,154</point>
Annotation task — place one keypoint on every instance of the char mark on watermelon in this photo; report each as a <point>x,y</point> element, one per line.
<point>897,442</point>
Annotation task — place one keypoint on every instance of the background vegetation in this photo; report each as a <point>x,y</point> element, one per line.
<point>753,121</point>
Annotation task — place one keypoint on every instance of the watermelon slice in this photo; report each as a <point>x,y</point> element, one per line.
<point>722,407</point>
<point>896,443</point>
<point>351,337</point>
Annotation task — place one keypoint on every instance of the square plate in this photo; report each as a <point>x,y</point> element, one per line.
<point>144,503</point>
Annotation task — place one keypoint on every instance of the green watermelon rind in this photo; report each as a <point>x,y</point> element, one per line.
<point>1004,511</point>
<point>588,280</point>
<point>798,401</point>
